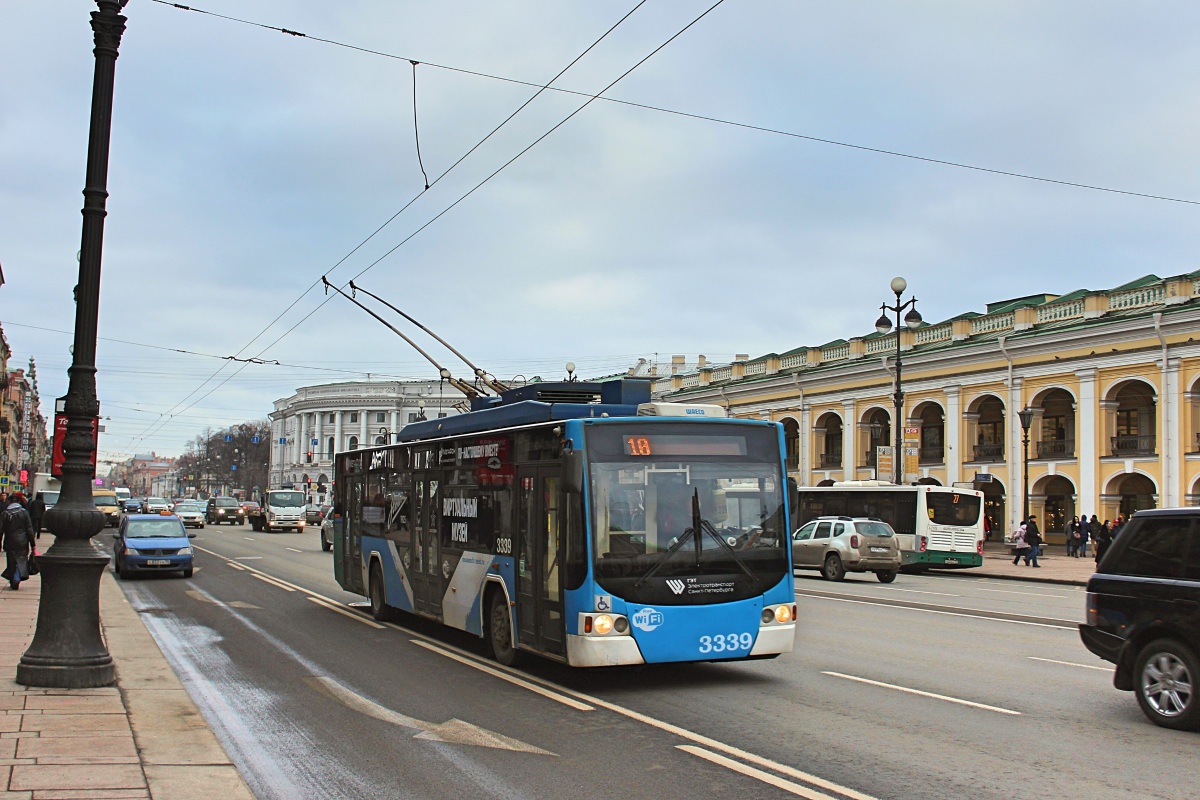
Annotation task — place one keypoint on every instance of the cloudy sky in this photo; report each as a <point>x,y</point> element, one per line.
<point>699,213</point>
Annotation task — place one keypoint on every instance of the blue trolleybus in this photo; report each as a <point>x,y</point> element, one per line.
<point>580,522</point>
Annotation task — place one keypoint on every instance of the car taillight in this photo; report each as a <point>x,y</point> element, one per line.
<point>1093,609</point>
<point>854,541</point>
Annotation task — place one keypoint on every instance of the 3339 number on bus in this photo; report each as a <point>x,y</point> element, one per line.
<point>726,643</point>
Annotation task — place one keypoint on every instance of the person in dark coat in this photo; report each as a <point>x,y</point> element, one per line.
<point>17,538</point>
<point>1033,538</point>
<point>37,510</point>
<point>1085,532</point>
<point>1103,540</point>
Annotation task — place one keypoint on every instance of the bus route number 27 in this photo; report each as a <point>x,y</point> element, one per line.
<point>726,643</point>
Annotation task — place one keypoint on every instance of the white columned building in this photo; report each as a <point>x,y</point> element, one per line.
<point>345,416</point>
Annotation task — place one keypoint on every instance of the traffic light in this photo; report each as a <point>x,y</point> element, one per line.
<point>310,452</point>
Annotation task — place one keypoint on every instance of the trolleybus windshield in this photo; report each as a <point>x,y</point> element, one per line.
<point>696,506</point>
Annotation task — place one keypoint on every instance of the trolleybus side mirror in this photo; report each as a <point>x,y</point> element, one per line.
<point>573,471</point>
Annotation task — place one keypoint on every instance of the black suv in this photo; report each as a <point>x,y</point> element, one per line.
<point>1143,614</point>
<point>224,509</point>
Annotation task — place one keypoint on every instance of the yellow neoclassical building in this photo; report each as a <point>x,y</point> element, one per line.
<point>1112,379</point>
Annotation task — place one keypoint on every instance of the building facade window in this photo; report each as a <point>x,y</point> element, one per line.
<point>353,444</point>
<point>354,416</point>
<point>379,416</point>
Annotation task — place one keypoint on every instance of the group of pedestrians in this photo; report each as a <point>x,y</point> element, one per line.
<point>1027,539</point>
<point>18,535</point>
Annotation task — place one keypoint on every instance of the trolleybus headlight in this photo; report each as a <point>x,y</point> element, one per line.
<point>768,616</point>
<point>603,624</point>
<point>783,614</point>
<point>621,625</point>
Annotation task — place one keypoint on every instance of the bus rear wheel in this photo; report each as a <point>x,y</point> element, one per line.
<point>380,610</point>
<point>500,630</point>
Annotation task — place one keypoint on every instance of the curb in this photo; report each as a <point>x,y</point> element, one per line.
<point>179,753</point>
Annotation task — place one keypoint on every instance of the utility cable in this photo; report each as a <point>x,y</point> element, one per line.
<point>416,130</point>
<point>315,283</point>
<point>705,118</point>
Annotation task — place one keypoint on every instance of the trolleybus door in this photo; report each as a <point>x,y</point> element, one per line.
<point>350,546</point>
<point>540,504</point>
<point>425,573</point>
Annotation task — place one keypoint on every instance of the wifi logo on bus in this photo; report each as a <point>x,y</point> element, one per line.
<point>647,619</point>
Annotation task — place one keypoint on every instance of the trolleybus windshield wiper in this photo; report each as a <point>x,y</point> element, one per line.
<point>470,391</point>
<point>695,533</point>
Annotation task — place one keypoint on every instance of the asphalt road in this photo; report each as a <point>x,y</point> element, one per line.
<point>934,686</point>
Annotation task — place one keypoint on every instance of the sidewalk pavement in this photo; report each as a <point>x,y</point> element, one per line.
<point>142,738</point>
<point>1055,566</point>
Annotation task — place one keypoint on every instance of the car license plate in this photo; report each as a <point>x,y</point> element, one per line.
<point>158,562</point>
<point>879,549</point>
<point>951,560</point>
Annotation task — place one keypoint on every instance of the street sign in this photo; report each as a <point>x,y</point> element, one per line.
<point>253,440</point>
<point>283,440</point>
<point>884,466</point>
<point>983,477</point>
<point>314,442</point>
<point>233,467</point>
<point>228,437</point>
<point>912,453</point>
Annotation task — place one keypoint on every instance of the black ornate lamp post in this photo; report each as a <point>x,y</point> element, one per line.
<point>912,320</point>
<point>68,650</point>
<point>1026,415</point>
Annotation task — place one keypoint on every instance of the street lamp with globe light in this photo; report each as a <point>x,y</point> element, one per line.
<point>912,321</point>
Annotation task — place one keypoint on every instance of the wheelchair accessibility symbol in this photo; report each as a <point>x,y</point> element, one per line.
<point>603,602</point>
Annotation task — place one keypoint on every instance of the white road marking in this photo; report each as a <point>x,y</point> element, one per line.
<point>1066,625</point>
<point>332,607</point>
<point>918,591</point>
<point>1027,594</point>
<point>271,581</point>
<point>233,564</point>
<point>242,558</point>
<point>907,690</point>
<point>248,538</point>
<point>758,774</point>
<point>566,701</point>
<point>1070,663</point>
<point>453,732</point>
<point>207,598</point>
<point>294,550</point>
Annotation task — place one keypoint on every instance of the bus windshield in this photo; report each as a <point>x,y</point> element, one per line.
<point>686,515</point>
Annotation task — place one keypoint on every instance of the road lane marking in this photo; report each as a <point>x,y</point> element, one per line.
<point>248,538</point>
<point>294,550</point>
<point>271,581</point>
<point>566,701</point>
<point>595,702</point>
<point>206,598</point>
<point>918,591</point>
<point>233,564</point>
<point>1070,663</point>
<point>907,690</point>
<point>453,732</point>
<point>1027,594</point>
<point>332,607</point>
<point>757,774</point>
<point>1063,625</point>
<point>242,558</point>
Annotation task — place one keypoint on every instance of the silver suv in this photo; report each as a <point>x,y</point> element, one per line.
<point>837,545</point>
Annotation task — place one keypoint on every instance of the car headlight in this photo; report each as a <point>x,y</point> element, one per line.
<point>220,511</point>
<point>185,551</point>
<point>132,552</point>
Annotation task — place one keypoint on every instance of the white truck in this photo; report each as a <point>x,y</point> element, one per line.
<point>281,508</point>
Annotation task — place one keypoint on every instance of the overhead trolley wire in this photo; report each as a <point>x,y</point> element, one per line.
<point>390,219</point>
<point>706,118</point>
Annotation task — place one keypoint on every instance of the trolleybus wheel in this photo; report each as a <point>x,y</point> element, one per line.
<point>380,610</point>
<point>833,569</point>
<point>886,577</point>
<point>500,630</point>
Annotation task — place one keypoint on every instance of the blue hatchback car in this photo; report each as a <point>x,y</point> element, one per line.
<point>152,543</point>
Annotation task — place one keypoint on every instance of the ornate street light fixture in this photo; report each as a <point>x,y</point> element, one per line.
<point>68,650</point>
<point>913,321</point>
<point>1026,416</point>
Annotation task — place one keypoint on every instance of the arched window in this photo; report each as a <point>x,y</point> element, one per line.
<point>380,440</point>
<point>353,443</point>
<point>329,443</point>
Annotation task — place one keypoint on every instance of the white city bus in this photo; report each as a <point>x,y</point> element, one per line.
<point>936,526</point>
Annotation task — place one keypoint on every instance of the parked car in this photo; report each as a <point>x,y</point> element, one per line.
<point>106,501</point>
<point>224,509</point>
<point>135,505</point>
<point>157,505</point>
<point>837,545</point>
<point>152,543</point>
<point>314,514</point>
<point>1143,614</point>
<point>191,514</point>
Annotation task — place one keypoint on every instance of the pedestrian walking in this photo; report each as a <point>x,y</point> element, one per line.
<point>1085,531</point>
<point>1103,540</point>
<point>1018,542</point>
<point>37,510</point>
<point>1033,538</point>
<point>1073,537</point>
<point>17,539</point>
